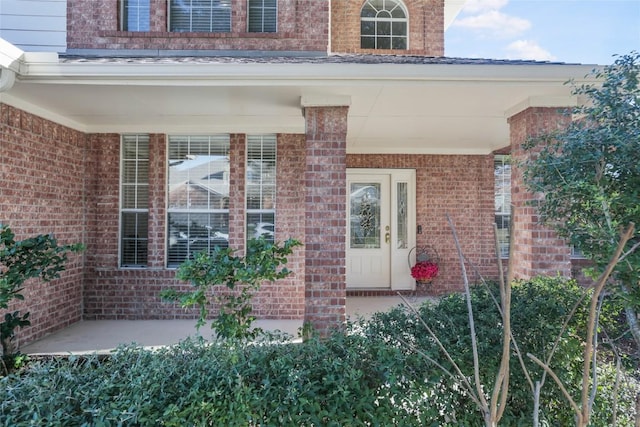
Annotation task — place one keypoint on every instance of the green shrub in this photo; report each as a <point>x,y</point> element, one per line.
<point>20,260</point>
<point>343,380</point>
<point>241,275</point>
<point>369,376</point>
<point>539,309</point>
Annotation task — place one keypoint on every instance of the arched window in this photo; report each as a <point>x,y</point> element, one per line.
<point>383,25</point>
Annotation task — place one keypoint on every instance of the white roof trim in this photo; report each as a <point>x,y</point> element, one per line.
<point>11,57</point>
<point>287,74</point>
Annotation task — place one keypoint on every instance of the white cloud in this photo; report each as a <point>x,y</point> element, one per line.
<point>494,23</point>
<point>527,49</point>
<point>479,6</point>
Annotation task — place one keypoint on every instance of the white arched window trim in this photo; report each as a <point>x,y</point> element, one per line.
<point>384,24</point>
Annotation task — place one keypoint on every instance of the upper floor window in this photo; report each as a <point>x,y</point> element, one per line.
<point>134,15</point>
<point>213,16</point>
<point>383,25</point>
<point>263,16</point>
<point>198,196</point>
<point>134,200</point>
<point>502,192</point>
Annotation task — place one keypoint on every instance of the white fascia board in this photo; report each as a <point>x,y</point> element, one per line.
<point>312,74</point>
<point>11,57</point>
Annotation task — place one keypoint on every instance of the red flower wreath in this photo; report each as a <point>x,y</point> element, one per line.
<point>425,271</point>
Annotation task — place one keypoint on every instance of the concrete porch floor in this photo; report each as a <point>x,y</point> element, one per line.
<point>101,336</point>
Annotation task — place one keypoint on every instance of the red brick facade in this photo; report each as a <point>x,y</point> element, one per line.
<point>458,186</point>
<point>94,24</point>
<point>426,28</point>
<point>59,180</point>
<point>42,190</point>
<point>537,250</point>
<point>325,220</point>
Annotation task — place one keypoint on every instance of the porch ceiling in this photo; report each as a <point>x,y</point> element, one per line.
<point>394,107</point>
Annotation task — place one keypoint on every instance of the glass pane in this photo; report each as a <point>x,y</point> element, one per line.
<point>255,20</point>
<point>368,42</point>
<point>377,4</point>
<point>136,15</point>
<point>399,43</point>
<point>383,43</point>
<point>190,233</point>
<point>503,223</point>
<point>367,28</point>
<point>270,20</point>
<point>502,193</point>
<point>364,214</point>
<point>221,20</point>
<point>129,171</point>
<point>402,227</point>
<point>398,13</point>
<point>261,224</point>
<point>198,172</point>
<point>133,251</point>
<point>368,11</point>
<point>399,28</point>
<point>384,28</point>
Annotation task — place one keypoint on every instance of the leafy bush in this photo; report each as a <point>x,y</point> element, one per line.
<point>341,381</point>
<point>369,376</point>
<point>241,275</point>
<point>539,309</point>
<point>20,260</point>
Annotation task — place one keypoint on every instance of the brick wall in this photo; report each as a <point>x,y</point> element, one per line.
<point>42,189</point>
<point>325,222</point>
<point>94,24</point>
<point>460,186</point>
<point>426,28</point>
<point>114,293</point>
<point>537,249</point>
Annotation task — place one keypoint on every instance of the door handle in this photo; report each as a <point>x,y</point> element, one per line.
<point>387,237</point>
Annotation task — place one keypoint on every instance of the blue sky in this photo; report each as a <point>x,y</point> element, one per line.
<point>573,31</point>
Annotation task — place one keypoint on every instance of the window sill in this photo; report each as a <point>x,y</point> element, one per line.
<point>204,35</point>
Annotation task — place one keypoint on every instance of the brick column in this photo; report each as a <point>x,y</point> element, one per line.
<point>536,250</point>
<point>325,223</point>
<point>157,202</point>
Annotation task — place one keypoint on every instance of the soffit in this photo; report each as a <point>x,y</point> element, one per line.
<point>397,104</point>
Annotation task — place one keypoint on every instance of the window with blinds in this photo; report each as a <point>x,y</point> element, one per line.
<point>134,15</point>
<point>263,16</point>
<point>198,196</point>
<point>261,186</point>
<point>502,192</point>
<point>213,16</point>
<point>134,200</point>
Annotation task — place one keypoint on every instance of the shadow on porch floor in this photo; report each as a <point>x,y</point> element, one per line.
<point>103,335</point>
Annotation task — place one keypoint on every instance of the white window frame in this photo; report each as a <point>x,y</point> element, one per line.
<point>502,169</point>
<point>215,9</point>
<point>261,185</point>
<point>141,14</point>
<point>205,178</point>
<point>261,8</point>
<point>134,200</point>
<point>388,8</point>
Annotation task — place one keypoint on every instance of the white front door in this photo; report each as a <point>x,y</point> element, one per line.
<point>380,228</point>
